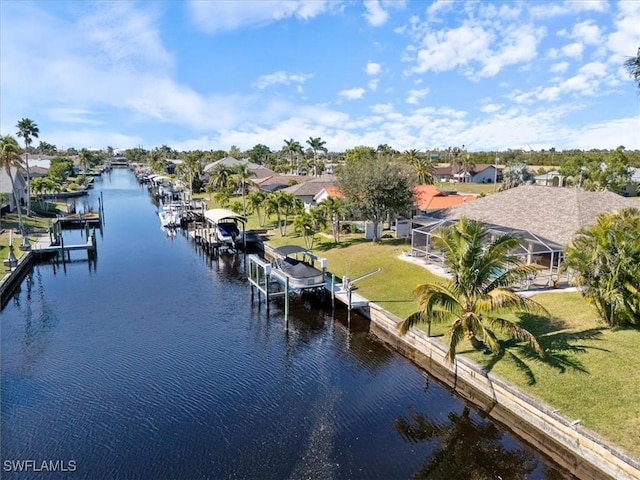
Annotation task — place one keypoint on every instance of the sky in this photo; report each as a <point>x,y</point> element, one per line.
<point>208,75</point>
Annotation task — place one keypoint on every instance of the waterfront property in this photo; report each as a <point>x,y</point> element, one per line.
<point>135,383</point>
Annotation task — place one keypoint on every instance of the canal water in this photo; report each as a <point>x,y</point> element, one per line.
<point>153,363</point>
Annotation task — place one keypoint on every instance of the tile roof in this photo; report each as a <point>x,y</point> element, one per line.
<point>428,197</point>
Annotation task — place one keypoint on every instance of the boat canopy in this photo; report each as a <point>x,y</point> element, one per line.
<point>286,250</point>
<point>217,215</point>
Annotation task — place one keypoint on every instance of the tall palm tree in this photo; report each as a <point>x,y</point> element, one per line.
<point>27,129</point>
<point>242,174</point>
<point>479,292</point>
<point>316,144</point>
<point>10,157</point>
<point>292,147</point>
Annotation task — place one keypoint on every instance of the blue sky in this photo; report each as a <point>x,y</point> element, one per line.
<point>415,74</point>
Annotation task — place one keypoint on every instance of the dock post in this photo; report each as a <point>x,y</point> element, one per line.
<point>251,279</point>
<point>333,291</point>
<point>286,303</point>
<point>267,274</point>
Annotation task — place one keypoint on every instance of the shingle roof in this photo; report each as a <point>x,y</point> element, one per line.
<point>551,212</point>
<point>312,187</point>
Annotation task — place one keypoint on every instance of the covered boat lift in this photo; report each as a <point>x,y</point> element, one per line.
<point>228,226</point>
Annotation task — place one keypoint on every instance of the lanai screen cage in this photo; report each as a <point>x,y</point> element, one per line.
<point>546,255</point>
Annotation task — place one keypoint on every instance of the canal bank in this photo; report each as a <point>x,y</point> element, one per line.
<point>152,363</point>
<point>562,439</point>
<point>578,450</point>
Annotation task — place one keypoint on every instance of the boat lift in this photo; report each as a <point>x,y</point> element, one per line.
<point>262,276</point>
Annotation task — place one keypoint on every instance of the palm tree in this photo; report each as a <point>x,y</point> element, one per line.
<point>479,291</point>
<point>605,261</point>
<point>632,64</point>
<point>27,129</point>
<point>316,144</point>
<point>292,146</point>
<point>256,202</point>
<point>333,210</point>
<point>242,174</point>
<point>220,177</point>
<point>308,224</point>
<point>10,157</point>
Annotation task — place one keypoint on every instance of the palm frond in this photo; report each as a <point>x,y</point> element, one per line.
<point>516,331</point>
<point>456,335</point>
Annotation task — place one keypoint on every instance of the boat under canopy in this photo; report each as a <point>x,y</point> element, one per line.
<point>229,225</point>
<point>296,264</point>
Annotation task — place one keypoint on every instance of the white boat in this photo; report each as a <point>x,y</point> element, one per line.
<point>169,217</point>
<point>296,264</point>
<point>229,226</point>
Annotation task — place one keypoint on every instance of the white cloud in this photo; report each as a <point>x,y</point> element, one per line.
<point>375,14</point>
<point>414,96</point>
<point>352,94</point>
<point>373,68</point>
<point>559,67</point>
<point>226,15</point>
<point>490,108</point>
<point>282,78</point>
<point>445,49</point>
<point>373,84</point>
<point>624,41</point>
<point>587,32</point>
<point>569,7</point>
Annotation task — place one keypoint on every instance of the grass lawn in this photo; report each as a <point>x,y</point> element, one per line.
<point>477,188</point>
<point>591,372</point>
<point>10,222</point>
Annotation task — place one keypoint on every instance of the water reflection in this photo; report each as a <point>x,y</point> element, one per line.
<point>466,446</point>
<point>159,365</point>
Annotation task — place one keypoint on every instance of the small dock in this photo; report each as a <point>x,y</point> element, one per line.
<point>79,220</point>
<point>43,245</point>
<point>345,295</point>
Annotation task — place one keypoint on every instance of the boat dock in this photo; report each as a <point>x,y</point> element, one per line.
<point>44,244</point>
<point>79,220</point>
<point>272,283</point>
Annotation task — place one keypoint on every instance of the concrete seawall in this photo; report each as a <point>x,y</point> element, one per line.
<point>575,448</point>
<point>9,282</point>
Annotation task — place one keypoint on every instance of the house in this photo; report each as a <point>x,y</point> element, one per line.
<point>550,179</point>
<point>632,189</point>
<point>327,192</point>
<point>481,173</point>
<point>305,192</point>
<point>273,183</point>
<point>427,198</point>
<point>37,172</point>
<point>546,219</point>
<point>552,213</point>
<point>6,188</point>
<point>259,171</point>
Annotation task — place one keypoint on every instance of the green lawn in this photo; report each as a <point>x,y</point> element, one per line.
<point>477,188</point>
<point>591,372</point>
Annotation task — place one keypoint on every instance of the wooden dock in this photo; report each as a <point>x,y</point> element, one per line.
<point>79,219</point>
<point>44,245</point>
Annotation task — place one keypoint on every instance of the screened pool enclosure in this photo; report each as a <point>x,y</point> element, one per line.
<point>546,255</point>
